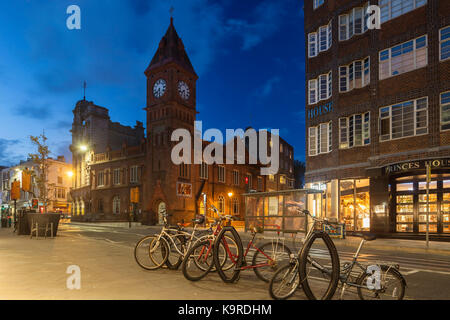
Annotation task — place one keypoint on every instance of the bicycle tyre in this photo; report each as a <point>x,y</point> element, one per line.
<point>240,252</point>
<point>164,250</point>
<point>393,272</point>
<point>305,260</point>
<point>184,266</point>
<point>180,241</point>
<point>273,267</point>
<point>289,270</point>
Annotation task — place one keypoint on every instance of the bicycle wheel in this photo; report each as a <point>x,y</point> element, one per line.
<point>284,281</point>
<point>319,267</point>
<point>267,259</point>
<point>198,260</point>
<point>225,261</point>
<point>228,272</point>
<point>151,253</point>
<point>391,285</point>
<point>175,259</point>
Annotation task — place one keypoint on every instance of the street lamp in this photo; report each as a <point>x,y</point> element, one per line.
<point>230,194</point>
<point>70,174</point>
<point>83,148</point>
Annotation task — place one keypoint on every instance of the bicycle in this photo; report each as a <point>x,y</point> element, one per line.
<point>265,261</point>
<point>156,249</point>
<point>301,268</point>
<point>375,281</point>
<point>198,261</point>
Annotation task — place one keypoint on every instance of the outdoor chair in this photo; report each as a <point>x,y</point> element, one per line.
<point>36,226</point>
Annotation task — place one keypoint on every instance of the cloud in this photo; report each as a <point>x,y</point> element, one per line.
<point>268,15</point>
<point>33,111</point>
<point>269,85</point>
<point>6,157</point>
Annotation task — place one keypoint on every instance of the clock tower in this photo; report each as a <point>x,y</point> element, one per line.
<point>171,104</point>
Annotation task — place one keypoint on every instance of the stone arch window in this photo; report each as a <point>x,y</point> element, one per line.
<point>116,205</point>
<point>221,204</point>
<point>235,206</point>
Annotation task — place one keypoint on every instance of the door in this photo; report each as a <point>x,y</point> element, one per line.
<point>161,212</point>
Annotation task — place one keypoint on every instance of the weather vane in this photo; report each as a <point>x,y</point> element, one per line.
<point>171,10</point>
<point>84,90</point>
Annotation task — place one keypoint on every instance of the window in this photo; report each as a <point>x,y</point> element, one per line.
<point>134,174</point>
<point>221,174</point>
<point>184,171</point>
<point>60,180</point>
<point>116,176</point>
<point>100,205</point>
<point>391,9</point>
<point>320,41</point>
<point>60,193</point>
<point>235,177</point>
<point>318,3</point>
<point>404,57</point>
<point>221,204</point>
<point>445,111</point>
<point>260,184</point>
<point>320,88</point>
<point>404,120</point>
<point>116,205</point>
<point>354,75</point>
<point>444,43</point>
<point>282,180</point>
<point>352,23</point>
<point>235,206</point>
<point>354,131</point>
<point>320,139</point>
<point>291,183</point>
<point>312,44</point>
<point>203,171</point>
<point>100,179</point>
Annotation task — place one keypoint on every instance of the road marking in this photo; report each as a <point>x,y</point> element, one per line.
<point>407,273</point>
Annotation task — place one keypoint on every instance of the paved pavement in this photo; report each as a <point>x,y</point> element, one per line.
<point>36,269</point>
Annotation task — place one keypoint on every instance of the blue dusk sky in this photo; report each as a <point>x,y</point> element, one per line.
<point>249,56</point>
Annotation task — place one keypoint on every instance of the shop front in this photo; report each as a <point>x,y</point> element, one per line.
<point>392,200</point>
<point>348,201</point>
<point>408,197</point>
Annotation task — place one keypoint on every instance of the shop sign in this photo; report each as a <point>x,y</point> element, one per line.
<point>184,189</point>
<point>320,110</point>
<point>419,164</point>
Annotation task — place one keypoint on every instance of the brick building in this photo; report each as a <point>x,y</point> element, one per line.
<point>378,110</point>
<point>113,165</point>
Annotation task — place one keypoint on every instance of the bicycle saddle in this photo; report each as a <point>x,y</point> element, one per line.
<point>258,229</point>
<point>199,220</point>
<point>366,236</point>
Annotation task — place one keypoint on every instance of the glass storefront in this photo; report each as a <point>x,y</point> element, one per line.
<point>412,205</point>
<point>355,204</point>
<point>347,201</point>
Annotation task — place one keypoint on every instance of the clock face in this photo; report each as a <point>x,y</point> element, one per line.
<point>159,88</point>
<point>183,90</point>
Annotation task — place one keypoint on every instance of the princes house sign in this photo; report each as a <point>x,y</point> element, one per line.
<point>417,165</point>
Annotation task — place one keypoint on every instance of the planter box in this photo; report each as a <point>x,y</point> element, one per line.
<point>41,218</point>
